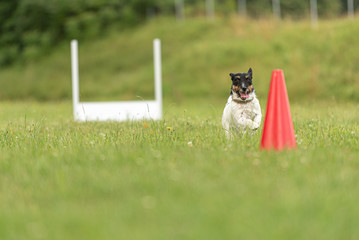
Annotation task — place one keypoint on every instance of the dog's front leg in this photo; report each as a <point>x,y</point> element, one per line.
<point>227,131</point>
<point>226,122</point>
<point>251,124</point>
<point>257,116</point>
<point>257,121</point>
<point>242,121</point>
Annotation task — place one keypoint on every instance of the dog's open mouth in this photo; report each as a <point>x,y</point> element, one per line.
<point>243,95</point>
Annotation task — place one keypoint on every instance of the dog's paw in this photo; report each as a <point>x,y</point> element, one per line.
<point>252,125</point>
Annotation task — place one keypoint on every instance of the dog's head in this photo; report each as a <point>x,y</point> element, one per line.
<point>242,84</point>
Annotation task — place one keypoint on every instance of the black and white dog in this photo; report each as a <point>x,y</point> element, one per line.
<point>242,110</point>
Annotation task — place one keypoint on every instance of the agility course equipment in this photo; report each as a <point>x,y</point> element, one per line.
<point>117,111</point>
<point>278,131</point>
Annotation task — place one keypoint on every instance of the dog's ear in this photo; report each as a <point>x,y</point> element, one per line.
<point>232,75</point>
<point>250,72</point>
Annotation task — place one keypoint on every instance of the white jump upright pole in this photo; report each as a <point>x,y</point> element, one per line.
<point>179,7</point>
<point>210,9</point>
<point>351,8</point>
<point>276,8</point>
<point>75,76</point>
<point>158,73</point>
<point>314,13</point>
<point>242,8</point>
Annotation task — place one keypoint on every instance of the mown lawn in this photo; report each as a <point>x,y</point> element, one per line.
<point>138,180</point>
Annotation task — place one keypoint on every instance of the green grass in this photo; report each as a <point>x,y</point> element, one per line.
<point>318,63</point>
<point>65,180</point>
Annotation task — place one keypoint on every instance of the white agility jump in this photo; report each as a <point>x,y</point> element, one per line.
<point>117,111</point>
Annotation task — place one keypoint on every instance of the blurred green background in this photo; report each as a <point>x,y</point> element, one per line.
<point>115,44</point>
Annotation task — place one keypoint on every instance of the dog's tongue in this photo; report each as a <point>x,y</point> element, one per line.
<point>244,96</point>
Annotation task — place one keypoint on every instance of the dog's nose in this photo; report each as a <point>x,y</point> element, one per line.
<point>244,89</point>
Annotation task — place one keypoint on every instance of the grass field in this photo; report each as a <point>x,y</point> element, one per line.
<point>139,180</point>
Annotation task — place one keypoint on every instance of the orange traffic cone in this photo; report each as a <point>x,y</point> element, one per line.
<point>278,131</point>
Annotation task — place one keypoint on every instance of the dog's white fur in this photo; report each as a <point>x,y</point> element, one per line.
<point>241,116</point>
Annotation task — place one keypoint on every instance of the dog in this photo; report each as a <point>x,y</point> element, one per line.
<point>242,111</point>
